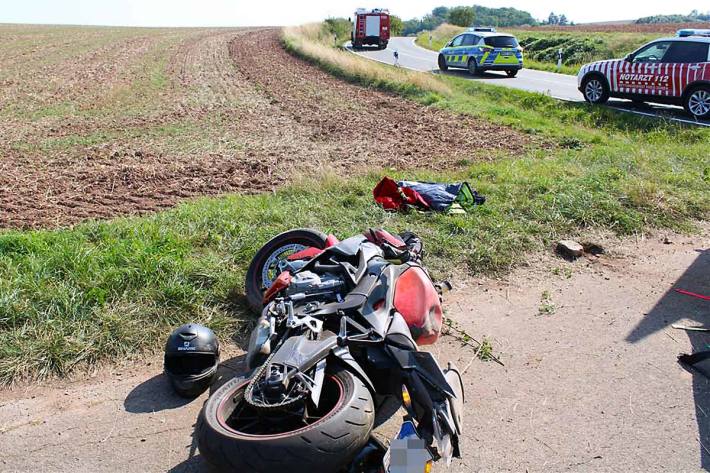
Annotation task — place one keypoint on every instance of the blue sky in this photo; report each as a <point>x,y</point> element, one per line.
<point>284,12</point>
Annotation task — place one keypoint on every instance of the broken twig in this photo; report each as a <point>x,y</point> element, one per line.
<point>691,329</point>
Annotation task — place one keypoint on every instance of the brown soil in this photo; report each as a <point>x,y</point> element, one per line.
<point>247,117</point>
<point>592,385</point>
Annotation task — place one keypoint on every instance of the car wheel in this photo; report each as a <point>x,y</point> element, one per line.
<point>595,90</point>
<point>442,63</point>
<point>473,67</point>
<point>512,72</point>
<point>697,102</point>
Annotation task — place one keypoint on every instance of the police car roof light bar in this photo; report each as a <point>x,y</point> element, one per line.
<point>689,32</point>
<point>482,29</point>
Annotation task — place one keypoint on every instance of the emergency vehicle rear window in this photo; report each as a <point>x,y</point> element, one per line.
<point>686,51</point>
<point>501,42</point>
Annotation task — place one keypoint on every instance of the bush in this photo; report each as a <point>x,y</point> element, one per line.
<point>576,49</point>
<point>340,27</point>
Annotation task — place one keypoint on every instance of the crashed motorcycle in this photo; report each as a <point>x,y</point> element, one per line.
<point>334,354</point>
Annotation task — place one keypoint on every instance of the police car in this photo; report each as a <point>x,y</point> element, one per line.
<point>672,70</point>
<point>482,49</point>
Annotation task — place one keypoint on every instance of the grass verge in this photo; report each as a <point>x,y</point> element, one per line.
<point>313,43</point>
<point>112,290</point>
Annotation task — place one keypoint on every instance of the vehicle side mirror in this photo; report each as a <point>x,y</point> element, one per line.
<point>629,58</point>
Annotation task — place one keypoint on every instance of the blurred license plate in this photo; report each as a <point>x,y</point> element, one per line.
<point>407,452</point>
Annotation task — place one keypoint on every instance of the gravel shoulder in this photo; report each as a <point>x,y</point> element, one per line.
<point>591,384</point>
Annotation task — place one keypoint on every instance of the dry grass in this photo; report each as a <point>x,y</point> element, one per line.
<point>447,31</point>
<point>311,42</point>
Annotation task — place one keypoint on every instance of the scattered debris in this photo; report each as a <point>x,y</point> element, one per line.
<point>570,249</point>
<point>565,272</point>
<point>692,294</point>
<point>547,307</point>
<point>484,349</point>
<point>667,241</point>
<point>691,329</point>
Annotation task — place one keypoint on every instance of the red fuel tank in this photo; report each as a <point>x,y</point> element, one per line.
<point>417,300</point>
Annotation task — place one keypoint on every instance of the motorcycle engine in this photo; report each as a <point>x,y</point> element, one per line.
<point>307,283</point>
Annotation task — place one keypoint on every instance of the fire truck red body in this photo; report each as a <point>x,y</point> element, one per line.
<point>371,28</point>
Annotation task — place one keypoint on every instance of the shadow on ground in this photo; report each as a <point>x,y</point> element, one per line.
<point>153,395</point>
<point>673,308</point>
<point>227,370</point>
<point>156,394</point>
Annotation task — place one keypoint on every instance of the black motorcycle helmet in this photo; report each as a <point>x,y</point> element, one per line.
<point>191,359</point>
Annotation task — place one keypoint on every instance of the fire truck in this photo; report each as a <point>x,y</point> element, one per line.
<point>371,28</point>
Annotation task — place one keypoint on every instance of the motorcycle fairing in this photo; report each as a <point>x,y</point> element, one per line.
<point>425,364</point>
<point>417,300</point>
<point>281,282</point>
<point>379,236</point>
<point>380,295</point>
<point>348,258</point>
<point>399,334</point>
<point>302,354</point>
<point>344,355</point>
<point>312,252</point>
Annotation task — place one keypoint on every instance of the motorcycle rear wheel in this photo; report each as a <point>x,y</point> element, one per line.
<point>329,443</point>
<point>273,251</point>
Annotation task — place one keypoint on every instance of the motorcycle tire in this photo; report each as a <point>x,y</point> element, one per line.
<point>303,237</point>
<point>327,445</point>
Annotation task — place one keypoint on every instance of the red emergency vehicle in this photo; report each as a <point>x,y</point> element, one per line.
<point>668,70</point>
<point>371,28</point>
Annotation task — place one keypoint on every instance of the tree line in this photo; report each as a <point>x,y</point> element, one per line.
<point>468,16</point>
<point>693,17</point>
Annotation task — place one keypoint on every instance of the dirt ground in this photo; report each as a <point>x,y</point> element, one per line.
<point>590,382</point>
<point>130,121</point>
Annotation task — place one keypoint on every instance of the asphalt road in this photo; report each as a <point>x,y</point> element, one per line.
<point>559,86</point>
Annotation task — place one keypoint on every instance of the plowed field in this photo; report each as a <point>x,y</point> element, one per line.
<point>100,122</point>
